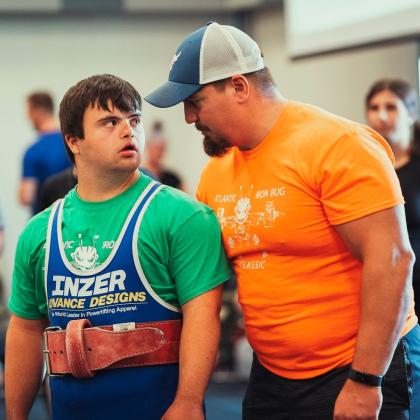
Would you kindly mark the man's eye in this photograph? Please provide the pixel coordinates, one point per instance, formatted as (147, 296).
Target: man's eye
(110, 123)
(194, 102)
(135, 121)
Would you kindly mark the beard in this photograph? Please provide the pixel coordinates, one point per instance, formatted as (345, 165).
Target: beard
(213, 146)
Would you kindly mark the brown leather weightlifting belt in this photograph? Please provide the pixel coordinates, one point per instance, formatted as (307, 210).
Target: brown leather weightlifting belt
(81, 349)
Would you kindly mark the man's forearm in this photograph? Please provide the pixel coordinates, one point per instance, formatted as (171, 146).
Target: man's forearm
(24, 365)
(199, 345)
(27, 190)
(385, 298)
(380, 242)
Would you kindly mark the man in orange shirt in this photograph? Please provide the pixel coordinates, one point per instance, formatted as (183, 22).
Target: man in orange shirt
(313, 222)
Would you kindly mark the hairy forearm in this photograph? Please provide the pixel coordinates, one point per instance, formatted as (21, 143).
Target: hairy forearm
(24, 365)
(385, 299)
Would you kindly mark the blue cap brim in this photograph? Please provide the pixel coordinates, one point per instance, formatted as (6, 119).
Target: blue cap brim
(171, 93)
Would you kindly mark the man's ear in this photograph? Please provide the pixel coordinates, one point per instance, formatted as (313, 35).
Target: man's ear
(241, 87)
(73, 143)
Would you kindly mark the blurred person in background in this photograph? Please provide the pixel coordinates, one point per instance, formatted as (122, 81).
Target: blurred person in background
(57, 186)
(47, 155)
(156, 147)
(392, 110)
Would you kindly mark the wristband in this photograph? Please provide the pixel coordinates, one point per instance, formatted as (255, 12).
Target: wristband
(366, 378)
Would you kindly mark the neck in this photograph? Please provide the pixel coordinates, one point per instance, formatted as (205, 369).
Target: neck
(265, 114)
(47, 125)
(97, 187)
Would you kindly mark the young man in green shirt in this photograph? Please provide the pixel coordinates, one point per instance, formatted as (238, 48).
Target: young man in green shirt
(122, 253)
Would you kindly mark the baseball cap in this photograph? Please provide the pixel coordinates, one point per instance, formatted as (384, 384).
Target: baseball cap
(213, 52)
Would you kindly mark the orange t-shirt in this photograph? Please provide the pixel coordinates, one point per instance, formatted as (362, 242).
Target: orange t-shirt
(298, 284)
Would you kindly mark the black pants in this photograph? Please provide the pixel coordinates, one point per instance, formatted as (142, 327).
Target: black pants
(272, 397)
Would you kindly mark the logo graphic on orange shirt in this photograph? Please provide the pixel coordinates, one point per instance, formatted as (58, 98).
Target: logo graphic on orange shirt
(243, 218)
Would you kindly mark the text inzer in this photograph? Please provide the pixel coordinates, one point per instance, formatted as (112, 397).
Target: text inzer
(89, 286)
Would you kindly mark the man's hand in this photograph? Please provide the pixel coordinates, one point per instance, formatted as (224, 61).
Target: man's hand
(184, 408)
(197, 354)
(358, 402)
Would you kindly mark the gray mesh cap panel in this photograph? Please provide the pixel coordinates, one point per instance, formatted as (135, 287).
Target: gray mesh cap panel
(226, 51)
(212, 52)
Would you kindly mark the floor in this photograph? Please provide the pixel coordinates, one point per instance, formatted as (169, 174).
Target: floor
(224, 401)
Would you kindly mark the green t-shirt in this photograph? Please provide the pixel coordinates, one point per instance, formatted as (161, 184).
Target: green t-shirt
(179, 244)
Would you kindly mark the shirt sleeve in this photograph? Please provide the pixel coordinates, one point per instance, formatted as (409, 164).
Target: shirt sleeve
(198, 261)
(199, 195)
(357, 178)
(23, 300)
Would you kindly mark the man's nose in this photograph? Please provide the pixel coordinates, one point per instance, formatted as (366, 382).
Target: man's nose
(127, 129)
(189, 114)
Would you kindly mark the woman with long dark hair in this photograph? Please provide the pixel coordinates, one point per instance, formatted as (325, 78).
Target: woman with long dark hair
(392, 110)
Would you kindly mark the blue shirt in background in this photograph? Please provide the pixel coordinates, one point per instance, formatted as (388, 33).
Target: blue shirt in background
(47, 156)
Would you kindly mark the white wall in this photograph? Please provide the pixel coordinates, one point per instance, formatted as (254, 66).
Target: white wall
(337, 81)
(325, 25)
(55, 53)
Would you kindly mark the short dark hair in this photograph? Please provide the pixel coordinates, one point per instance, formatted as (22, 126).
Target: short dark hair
(262, 79)
(100, 91)
(41, 100)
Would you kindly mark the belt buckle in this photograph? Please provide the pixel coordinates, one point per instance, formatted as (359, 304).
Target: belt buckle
(47, 353)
